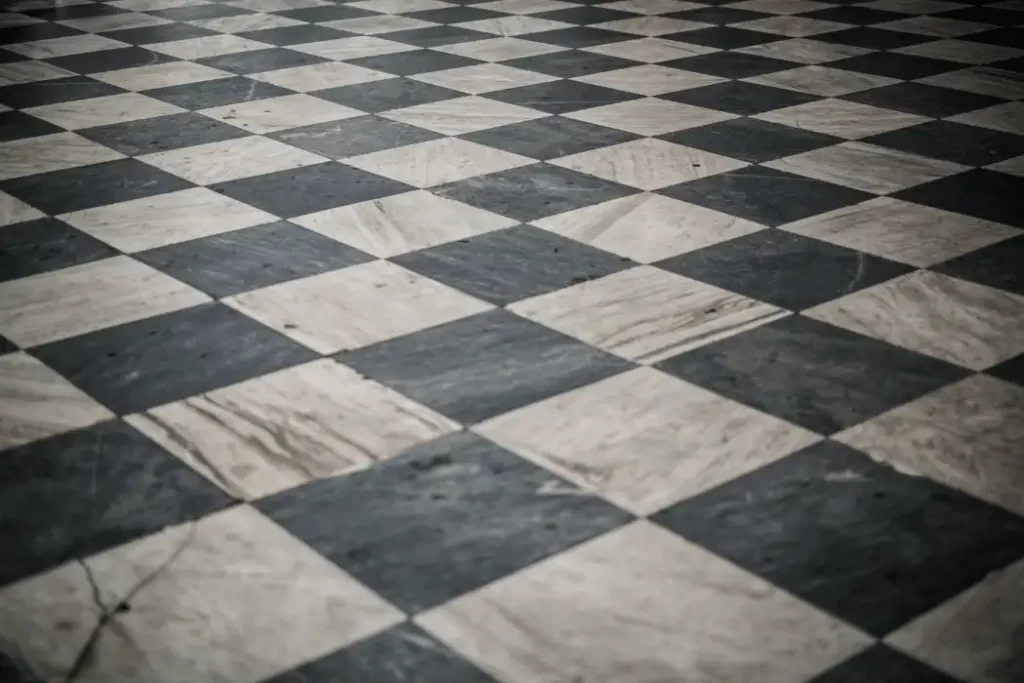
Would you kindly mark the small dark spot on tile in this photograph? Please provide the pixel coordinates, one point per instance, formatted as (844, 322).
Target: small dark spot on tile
(432, 463)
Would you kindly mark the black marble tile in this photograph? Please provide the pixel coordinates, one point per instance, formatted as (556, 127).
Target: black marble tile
(550, 137)
(516, 263)
(765, 195)
(895, 65)
(852, 14)
(310, 189)
(326, 13)
(296, 35)
(436, 36)
(14, 671)
(87, 187)
(984, 194)
(54, 91)
(16, 125)
(737, 97)
(7, 57)
(161, 133)
(351, 137)
(923, 100)
(90, 490)
(485, 365)
(724, 37)
(969, 145)
(136, 366)
(197, 12)
(813, 374)
(571, 63)
(784, 269)
(410, 64)
(531, 192)
(881, 664)
(751, 140)
(1006, 37)
(871, 545)
(985, 15)
(584, 15)
(998, 265)
(243, 260)
(394, 93)
(403, 654)
(33, 32)
(440, 520)
(718, 15)
(217, 93)
(254, 61)
(578, 37)
(7, 346)
(1016, 64)
(731, 64)
(44, 245)
(161, 33)
(560, 97)
(454, 15)
(873, 38)
(109, 60)
(1011, 370)
(67, 12)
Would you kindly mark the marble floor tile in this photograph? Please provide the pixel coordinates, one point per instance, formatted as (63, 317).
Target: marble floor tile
(512, 627)
(1013, 166)
(319, 76)
(209, 46)
(867, 167)
(217, 162)
(514, 25)
(402, 223)
(804, 51)
(650, 50)
(48, 153)
(850, 120)
(975, 636)
(353, 48)
(280, 113)
(693, 440)
(483, 78)
(821, 80)
(646, 314)
(650, 79)
(291, 427)
(652, 26)
(982, 81)
(463, 115)
(13, 210)
(165, 75)
(964, 51)
(101, 111)
(647, 227)
(437, 162)
(188, 576)
(910, 233)
(1008, 118)
(948, 318)
(792, 26)
(650, 116)
(498, 49)
(378, 24)
(649, 164)
(938, 27)
(165, 219)
(36, 402)
(30, 71)
(309, 310)
(66, 46)
(966, 435)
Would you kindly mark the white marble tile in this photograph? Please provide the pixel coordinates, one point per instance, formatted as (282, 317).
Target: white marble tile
(207, 46)
(1008, 118)
(353, 307)
(964, 51)
(356, 47)
(915, 6)
(114, 22)
(650, 116)
(217, 162)
(650, 79)
(646, 314)
(160, 75)
(378, 24)
(966, 435)
(652, 25)
(649, 164)
(650, 50)
(901, 231)
(13, 210)
(278, 113)
(651, 6)
(400, 6)
(436, 162)
(794, 27)
(463, 115)
(514, 25)
(71, 301)
(154, 5)
(403, 223)
(152, 222)
(841, 118)
(938, 27)
(780, 6)
(821, 80)
(647, 227)
(276, 5)
(1013, 166)
(976, 635)
(981, 80)
(240, 23)
(36, 402)
(30, 71)
(747, 630)
(199, 596)
(804, 51)
(499, 49)
(958, 321)
(63, 47)
(320, 76)
(691, 439)
(867, 167)
(11, 18)
(51, 153)
(525, 6)
(290, 427)
(483, 78)
(103, 111)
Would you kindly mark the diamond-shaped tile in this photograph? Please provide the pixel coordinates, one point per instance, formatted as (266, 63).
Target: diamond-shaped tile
(562, 96)
(279, 113)
(737, 97)
(484, 78)
(751, 140)
(895, 65)
(842, 118)
(463, 115)
(650, 116)
(216, 162)
(730, 64)
(570, 63)
(1008, 118)
(803, 51)
(498, 49)
(381, 96)
(550, 137)
(881, 663)
(319, 76)
(39, 246)
(981, 193)
(924, 100)
(100, 111)
(954, 142)
(823, 81)
(965, 51)
(650, 50)
(216, 93)
(162, 133)
(983, 80)
(650, 79)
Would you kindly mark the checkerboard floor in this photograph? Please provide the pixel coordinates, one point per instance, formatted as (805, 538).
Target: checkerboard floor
(512, 341)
